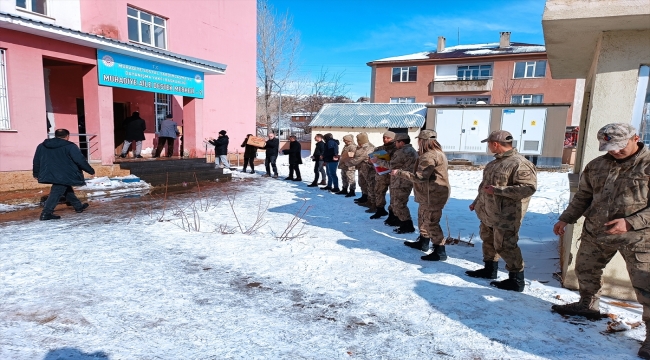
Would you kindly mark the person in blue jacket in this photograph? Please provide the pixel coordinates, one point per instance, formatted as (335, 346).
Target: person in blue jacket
(331, 159)
(59, 162)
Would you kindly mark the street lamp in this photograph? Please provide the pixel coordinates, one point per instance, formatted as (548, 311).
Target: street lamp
(279, 105)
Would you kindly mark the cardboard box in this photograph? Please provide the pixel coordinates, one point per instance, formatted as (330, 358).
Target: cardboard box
(256, 141)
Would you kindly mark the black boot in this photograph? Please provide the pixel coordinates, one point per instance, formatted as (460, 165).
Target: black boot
(351, 192)
(392, 220)
(45, 216)
(422, 243)
(488, 272)
(380, 212)
(514, 282)
(438, 254)
(344, 191)
(405, 227)
(362, 199)
(335, 190)
(371, 207)
(326, 188)
(313, 184)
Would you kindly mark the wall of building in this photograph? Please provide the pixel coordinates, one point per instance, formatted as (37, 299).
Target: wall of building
(219, 30)
(63, 13)
(384, 88)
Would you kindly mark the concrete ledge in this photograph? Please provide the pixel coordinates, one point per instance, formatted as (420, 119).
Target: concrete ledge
(23, 180)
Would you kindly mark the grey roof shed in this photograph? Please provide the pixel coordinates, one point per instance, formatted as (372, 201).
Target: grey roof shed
(371, 115)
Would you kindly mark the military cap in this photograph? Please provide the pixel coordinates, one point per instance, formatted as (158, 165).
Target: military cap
(499, 136)
(427, 134)
(615, 136)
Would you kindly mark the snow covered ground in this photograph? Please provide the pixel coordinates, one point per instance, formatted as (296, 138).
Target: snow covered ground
(178, 278)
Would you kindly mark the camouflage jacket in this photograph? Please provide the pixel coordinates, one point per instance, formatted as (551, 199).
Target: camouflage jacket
(344, 160)
(430, 179)
(515, 180)
(609, 190)
(390, 149)
(403, 158)
(360, 159)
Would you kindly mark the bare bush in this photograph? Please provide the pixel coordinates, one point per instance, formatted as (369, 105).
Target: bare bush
(289, 233)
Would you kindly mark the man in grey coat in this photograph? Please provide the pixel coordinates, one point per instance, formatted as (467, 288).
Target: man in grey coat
(168, 133)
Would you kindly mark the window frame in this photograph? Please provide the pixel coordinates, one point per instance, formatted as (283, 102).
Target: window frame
(530, 99)
(404, 72)
(28, 7)
(4, 93)
(532, 65)
(152, 25)
(469, 69)
(475, 99)
(399, 100)
(167, 104)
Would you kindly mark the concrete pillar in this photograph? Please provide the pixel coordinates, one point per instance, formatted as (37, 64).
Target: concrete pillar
(193, 127)
(98, 107)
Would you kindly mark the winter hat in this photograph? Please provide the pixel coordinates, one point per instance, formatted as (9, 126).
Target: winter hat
(348, 137)
(389, 134)
(362, 138)
(402, 136)
(170, 116)
(328, 136)
(222, 132)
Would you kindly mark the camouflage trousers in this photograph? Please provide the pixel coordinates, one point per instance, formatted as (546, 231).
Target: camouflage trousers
(502, 243)
(399, 198)
(592, 259)
(429, 223)
(370, 184)
(382, 182)
(347, 177)
(363, 184)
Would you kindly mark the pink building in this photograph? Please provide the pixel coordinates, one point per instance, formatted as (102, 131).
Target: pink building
(85, 65)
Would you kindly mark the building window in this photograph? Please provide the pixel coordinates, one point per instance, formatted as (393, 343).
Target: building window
(4, 98)
(163, 105)
(37, 6)
(405, 74)
(527, 99)
(474, 72)
(530, 69)
(146, 28)
(471, 100)
(402, 100)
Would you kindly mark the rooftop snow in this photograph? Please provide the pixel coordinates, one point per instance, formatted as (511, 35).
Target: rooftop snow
(370, 115)
(460, 51)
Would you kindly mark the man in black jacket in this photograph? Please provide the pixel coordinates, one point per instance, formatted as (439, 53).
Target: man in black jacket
(134, 127)
(317, 157)
(295, 158)
(272, 147)
(250, 152)
(221, 150)
(59, 162)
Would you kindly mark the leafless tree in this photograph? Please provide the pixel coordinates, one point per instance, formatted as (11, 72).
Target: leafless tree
(277, 49)
(509, 87)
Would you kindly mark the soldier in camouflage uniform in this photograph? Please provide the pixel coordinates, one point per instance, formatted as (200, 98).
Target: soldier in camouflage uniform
(347, 169)
(613, 198)
(431, 185)
(360, 162)
(503, 196)
(404, 158)
(382, 182)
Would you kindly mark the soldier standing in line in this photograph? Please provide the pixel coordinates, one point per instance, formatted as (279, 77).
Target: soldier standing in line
(431, 184)
(503, 196)
(403, 158)
(347, 170)
(613, 198)
(360, 162)
(382, 182)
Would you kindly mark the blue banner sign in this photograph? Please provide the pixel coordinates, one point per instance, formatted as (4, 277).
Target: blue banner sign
(132, 73)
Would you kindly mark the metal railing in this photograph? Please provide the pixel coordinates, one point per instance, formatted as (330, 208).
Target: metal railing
(88, 143)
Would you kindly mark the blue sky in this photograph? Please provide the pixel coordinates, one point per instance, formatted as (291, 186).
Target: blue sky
(342, 36)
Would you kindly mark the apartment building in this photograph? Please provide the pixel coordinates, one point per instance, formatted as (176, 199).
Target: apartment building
(85, 65)
(502, 72)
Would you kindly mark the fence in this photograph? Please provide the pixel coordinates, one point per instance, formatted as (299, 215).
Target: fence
(88, 143)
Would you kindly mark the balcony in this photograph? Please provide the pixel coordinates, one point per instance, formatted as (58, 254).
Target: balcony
(449, 86)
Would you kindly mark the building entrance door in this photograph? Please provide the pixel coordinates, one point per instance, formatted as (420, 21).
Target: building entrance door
(120, 112)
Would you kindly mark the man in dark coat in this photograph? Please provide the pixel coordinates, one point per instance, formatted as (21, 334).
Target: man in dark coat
(134, 127)
(59, 162)
(250, 152)
(331, 159)
(317, 157)
(221, 150)
(272, 147)
(295, 158)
